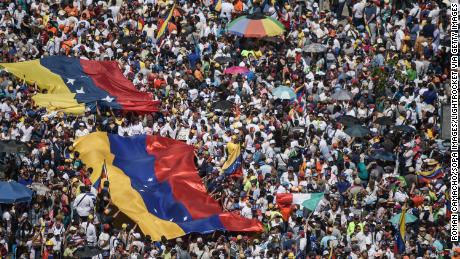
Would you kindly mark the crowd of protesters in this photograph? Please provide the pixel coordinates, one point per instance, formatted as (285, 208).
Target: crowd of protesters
(392, 56)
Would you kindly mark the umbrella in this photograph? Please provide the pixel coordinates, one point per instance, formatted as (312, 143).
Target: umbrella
(39, 188)
(385, 120)
(87, 251)
(12, 147)
(342, 95)
(14, 192)
(223, 60)
(404, 128)
(273, 39)
(255, 26)
(236, 70)
(223, 105)
(284, 93)
(348, 120)
(357, 131)
(396, 219)
(383, 155)
(315, 48)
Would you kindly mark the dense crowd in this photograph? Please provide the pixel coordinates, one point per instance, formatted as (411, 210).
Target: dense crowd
(392, 56)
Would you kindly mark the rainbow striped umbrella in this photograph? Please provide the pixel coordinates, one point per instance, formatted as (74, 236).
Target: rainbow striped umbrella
(255, 26)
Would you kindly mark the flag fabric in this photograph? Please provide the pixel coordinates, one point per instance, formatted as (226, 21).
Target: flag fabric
(99, 184)
(307, 200)
(218, 6)
(299, 91)
(72, 85)
(154, 181)
(165, 23)
(331, 252)
(448, 205)
(428, 176)
(233, 165)
(401, 232)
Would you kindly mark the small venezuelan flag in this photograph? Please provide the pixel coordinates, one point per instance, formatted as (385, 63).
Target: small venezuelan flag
(299, 91)
(165, 23)
(99, 184)
(401, 235)
(428, 176)
(233, 165)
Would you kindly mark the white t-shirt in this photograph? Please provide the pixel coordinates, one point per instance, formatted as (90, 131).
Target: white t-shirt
(358, 9)
(227, 10)
(26, 133)
(84, 204)
(90, 230)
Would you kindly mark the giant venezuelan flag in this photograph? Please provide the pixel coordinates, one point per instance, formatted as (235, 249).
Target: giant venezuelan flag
(71, 84)
(153, 180)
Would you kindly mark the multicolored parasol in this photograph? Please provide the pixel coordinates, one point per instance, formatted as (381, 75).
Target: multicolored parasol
(255, 26)
(236, 70)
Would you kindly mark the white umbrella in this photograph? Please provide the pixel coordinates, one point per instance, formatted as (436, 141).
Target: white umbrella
(342, 95)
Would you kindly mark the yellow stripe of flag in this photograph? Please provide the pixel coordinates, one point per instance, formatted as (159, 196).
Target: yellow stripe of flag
(218, 6)
(402, 224)
(164, 26)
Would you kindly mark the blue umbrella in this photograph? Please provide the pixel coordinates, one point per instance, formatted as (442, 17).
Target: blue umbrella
(284, 93)
(357, 131)
(14, 192)
(383, 155)
(409, 218)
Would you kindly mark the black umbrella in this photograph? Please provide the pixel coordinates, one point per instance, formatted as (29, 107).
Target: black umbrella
(342, 95)
(12, 147)
(87, 251)
(223, 60)
(272, 39)
(357, 131)
(223, 105)
(315, 48)
(385, 120)
(348, 120)
(404, 128)
(383, 155)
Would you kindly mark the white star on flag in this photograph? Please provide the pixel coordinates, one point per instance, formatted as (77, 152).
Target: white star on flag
(70, 81)
(108, 99)
(80, 91)
(150, 179)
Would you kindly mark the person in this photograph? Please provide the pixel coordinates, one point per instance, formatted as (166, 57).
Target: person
(83, 204)
(104, 241)
(89, 230)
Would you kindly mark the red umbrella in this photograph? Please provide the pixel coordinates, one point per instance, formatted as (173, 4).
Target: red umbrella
(236, 70)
